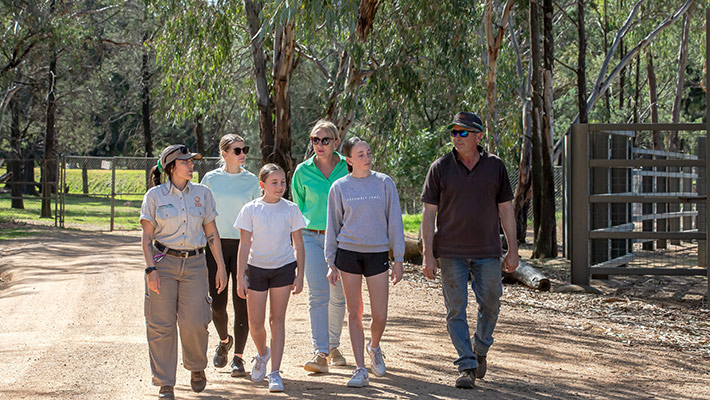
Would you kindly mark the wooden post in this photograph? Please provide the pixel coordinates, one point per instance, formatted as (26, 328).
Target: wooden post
(113, 189)
(579, 206)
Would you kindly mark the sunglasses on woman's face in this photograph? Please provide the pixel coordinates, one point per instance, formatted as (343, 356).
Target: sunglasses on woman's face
(324, 141)
(239, 150)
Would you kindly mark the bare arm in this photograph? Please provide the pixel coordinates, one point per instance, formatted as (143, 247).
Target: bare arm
(428, 219)
(216, 248)
(147, 236)
(507, 220)
(242, 258)
(297, 238)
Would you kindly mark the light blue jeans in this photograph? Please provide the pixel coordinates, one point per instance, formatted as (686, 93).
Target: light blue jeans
(326, 303)
(486, 284)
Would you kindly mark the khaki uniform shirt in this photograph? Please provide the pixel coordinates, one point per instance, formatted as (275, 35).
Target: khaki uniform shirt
(178, 215)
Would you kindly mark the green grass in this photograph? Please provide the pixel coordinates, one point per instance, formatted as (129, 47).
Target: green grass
(16, 232)
(80, 212)
(411, 223)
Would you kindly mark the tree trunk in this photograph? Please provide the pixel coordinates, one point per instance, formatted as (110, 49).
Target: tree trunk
(546, 240)
(49, 162)
(523, 190)
(15, 164)
(536, 81)
(494, 41)
(284, 46)
(581, 64)
(263, 99)
(672, 140)
(637, 92)
(349, 78)
(145, 97)
(653, 97)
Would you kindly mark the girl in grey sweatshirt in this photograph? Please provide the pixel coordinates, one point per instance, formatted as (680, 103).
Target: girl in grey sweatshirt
(364, 222)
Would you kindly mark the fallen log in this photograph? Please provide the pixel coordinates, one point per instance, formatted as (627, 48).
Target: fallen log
(528, 276)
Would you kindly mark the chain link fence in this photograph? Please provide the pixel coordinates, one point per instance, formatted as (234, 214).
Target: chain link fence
(105, 193)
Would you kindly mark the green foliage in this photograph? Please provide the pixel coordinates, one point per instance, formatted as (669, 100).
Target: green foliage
(411, 223)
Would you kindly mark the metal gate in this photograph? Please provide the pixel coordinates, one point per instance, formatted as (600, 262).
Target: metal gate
(636, 210)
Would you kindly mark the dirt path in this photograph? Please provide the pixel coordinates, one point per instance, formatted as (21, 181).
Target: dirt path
(71, 327)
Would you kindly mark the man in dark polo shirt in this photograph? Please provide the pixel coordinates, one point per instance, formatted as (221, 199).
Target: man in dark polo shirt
(467, 192)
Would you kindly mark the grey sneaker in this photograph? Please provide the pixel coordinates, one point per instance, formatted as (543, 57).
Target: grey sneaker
(319, 364)
(377, 360)
(258, 372)
(466, 379)
(336, 357)
(275, 382)
(359, 378)
(221, 352)
(482, 366)
(166, 392)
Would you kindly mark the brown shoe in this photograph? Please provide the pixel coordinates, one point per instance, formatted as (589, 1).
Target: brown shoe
(319, 364)
(198, 381)
(166, 392)
(482, 366)
(336, 357)
(466, 379)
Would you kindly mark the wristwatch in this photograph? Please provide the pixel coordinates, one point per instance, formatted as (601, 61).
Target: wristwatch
(148, 270)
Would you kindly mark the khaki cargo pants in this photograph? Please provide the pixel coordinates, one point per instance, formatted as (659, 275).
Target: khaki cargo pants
(183, 301)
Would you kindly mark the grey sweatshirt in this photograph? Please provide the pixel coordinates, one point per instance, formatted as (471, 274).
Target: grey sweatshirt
(364, 216)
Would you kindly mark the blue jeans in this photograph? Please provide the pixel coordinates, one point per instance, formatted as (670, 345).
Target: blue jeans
(486, 284)
(326, 303)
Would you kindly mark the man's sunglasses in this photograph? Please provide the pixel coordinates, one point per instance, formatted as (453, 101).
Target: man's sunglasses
(239, 150)
(324, 141)
(460, 133)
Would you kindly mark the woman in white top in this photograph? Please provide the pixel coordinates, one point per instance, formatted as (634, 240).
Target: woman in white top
(232, 187)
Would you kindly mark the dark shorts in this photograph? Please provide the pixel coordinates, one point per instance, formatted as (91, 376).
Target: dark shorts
(261, 279)
(367, 264)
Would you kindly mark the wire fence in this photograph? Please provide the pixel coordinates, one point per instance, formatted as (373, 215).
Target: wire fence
(105, 193)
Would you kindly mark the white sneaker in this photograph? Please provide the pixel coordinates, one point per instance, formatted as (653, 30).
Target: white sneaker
(359, 379)
(377, 360)
(275, 382)
(258, 371)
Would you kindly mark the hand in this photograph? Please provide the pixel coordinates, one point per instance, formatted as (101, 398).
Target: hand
(297, 286)
(397, 272)
(154, 281)
(333, 275)
(242, 287)
(429, 267)
(220, 280)
(510, 262)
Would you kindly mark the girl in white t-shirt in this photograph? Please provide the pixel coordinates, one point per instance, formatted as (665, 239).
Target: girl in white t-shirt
(266, 266)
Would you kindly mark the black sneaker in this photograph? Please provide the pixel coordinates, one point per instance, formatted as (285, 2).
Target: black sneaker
(220, 353)
(466, 379)
(238, 367)
(482, 366)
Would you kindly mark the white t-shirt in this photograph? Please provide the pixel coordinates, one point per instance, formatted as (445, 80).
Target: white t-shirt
(271, 225)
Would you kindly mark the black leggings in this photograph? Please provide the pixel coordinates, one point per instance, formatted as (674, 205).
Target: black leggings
(219, 301)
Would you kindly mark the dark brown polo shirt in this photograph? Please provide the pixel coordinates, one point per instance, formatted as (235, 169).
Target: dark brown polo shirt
(467, 222)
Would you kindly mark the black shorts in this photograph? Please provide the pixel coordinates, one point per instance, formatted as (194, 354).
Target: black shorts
(367, 264)
(261, 279)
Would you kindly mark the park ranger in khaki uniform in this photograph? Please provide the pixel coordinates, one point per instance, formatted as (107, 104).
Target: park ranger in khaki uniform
(178, 220)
